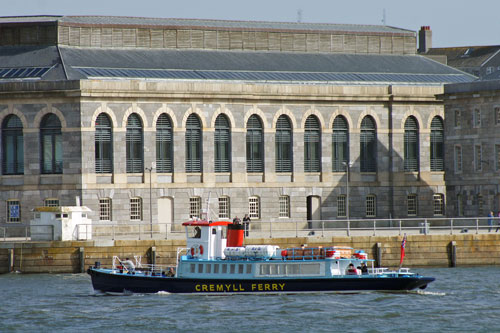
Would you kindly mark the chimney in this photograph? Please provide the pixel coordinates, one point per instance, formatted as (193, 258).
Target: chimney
(424, 39)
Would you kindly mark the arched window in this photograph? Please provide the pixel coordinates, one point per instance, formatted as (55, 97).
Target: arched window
(283, 145)
(135, 146)
(368, 145)
(411, 162)
(222, 141)
(312, 145)
(103, 144)
(340, 144)
(255, 147)
(51, 141)
(164, 144)
(437, 144)
(12, 146)
(193, 144)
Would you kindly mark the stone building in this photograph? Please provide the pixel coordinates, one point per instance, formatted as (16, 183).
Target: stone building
(472, 122)
(145, 119)
(482, 61)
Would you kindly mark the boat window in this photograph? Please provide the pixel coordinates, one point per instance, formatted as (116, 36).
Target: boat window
(249, 268)
(232, 268)
(200, 268)
(264, 269)
(292, 269)
(216, 268)
(224, 268)
(214, 231)
(240, 268)
(209, 268)
(192, 268)
(309, 269)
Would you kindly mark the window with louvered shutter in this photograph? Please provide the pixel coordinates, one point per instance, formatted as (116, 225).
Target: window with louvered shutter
(193, 144)
(368, 145)
(135, 146)
(283, 145)
(222, 142)
(437, 144)
(12, 146)
(164, 144)
(51, 144)
(312, 146)
(255, 148)
(411, 162)
(103, 144)
(340, 144)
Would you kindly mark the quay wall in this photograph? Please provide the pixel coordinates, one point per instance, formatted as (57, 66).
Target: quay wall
(421, 251)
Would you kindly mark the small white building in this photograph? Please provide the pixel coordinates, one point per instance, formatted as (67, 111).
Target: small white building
(61, 223)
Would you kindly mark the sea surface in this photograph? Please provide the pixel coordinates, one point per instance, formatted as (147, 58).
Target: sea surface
(460, 300)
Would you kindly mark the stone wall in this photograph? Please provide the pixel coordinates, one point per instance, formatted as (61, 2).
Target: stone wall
(421, 251)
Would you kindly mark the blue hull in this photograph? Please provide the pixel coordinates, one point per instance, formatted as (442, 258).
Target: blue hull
(106, 281)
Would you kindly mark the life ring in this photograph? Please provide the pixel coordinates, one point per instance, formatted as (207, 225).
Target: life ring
(197, 250)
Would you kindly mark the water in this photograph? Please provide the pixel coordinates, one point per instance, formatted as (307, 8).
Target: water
(461, 299)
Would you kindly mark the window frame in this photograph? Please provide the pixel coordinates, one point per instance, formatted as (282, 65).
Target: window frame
(412, 204)
(105, 209)
(458, 158)
(371, 205)
(368, 145)
(254, 207)
(312, 144)
(411, 145)
(437, 144)
(222, 145)
(284, 206)
(136, 209)
(12, 203)
(342, 205)
(164, 144)
(438, 204)
(12, 146)
(51, 202)
(103, 143)
(134, 138)
(224, 207)
(284, 145)
(51, 156)
(195, 207)
(340, 144)
(254, 145)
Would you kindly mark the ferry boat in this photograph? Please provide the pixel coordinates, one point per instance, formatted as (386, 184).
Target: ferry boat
(216, 262)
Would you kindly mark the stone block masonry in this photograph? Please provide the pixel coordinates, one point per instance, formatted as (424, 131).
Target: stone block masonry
(421, 251)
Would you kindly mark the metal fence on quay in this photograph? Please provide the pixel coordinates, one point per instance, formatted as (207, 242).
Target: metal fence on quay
(266, 229)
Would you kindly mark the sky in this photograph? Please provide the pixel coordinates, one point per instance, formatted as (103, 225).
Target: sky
(453, 22)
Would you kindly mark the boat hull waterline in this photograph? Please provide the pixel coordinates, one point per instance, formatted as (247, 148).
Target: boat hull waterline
(107, 281)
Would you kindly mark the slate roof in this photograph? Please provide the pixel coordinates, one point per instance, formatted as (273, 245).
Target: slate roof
(466, 56)
(72, 63)
(212, 24)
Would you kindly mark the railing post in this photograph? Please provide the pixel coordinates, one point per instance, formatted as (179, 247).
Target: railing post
(113, 231)
(425, 226)
(348, 228)
(140, 230)
(322, 228)
(26, 233)
(477, 226)
(374, 227)
(451, 227)
(271, 229)
(399, 227)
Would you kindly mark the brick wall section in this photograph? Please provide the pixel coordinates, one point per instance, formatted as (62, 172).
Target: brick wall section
(421, 251)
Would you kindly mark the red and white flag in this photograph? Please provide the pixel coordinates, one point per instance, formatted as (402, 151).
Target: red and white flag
(403, 245)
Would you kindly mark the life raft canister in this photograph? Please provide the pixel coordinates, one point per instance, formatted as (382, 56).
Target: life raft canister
(196, 250)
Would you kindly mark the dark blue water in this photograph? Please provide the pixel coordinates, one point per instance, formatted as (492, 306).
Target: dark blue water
(460, 300)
